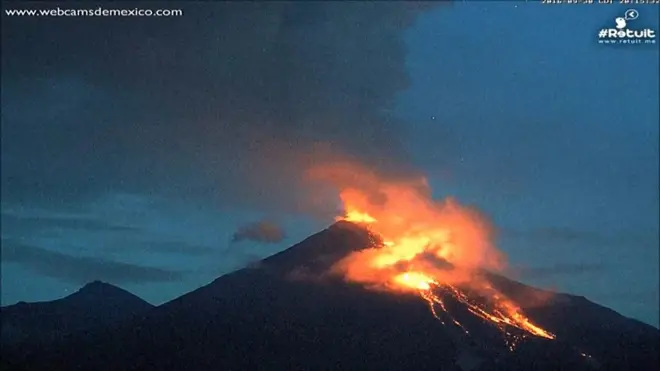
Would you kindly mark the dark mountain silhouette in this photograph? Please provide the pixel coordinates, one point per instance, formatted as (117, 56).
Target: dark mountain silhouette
(285, 314)
(95, 305)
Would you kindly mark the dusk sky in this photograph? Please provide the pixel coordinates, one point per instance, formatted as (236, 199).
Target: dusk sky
(160, 153)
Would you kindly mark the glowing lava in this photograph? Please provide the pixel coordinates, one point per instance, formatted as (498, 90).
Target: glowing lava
(436, 249)
(357, 217)
(503, 313)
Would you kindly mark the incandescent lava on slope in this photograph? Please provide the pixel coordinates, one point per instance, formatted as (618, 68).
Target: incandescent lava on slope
(435, 249)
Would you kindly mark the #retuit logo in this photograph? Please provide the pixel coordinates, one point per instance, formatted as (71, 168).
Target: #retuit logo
(623, 33)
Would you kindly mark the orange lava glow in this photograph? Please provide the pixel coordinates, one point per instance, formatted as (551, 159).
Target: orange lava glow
(356, 217)
(432, 248)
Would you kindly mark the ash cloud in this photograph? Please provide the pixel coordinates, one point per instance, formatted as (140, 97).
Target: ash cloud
(261, 232)
(202, 107)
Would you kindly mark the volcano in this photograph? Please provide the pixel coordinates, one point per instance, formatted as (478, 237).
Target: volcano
(289, 313)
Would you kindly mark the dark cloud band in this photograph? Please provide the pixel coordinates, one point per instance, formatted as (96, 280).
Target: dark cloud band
(229, 107)
(80, 270)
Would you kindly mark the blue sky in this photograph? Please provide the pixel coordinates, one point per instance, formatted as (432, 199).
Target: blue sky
(115, 171)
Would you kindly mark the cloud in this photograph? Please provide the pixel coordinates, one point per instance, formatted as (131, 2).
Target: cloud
(636, 294)
(14, 222)
(228, 108)
(587, 239)
(81, 270)
(559, 269)
(262, 232)
(558, 235)
(165, 247)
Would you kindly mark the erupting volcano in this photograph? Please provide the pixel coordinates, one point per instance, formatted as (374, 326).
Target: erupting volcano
(436, 249)
(348, 297)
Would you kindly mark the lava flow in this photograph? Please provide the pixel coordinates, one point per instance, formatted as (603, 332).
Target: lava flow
(436, 249)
